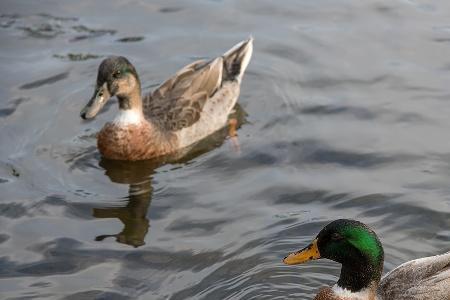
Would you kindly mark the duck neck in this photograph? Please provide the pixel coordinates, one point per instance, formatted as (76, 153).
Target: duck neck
(360, 275)
(130, 108)
(131, 101)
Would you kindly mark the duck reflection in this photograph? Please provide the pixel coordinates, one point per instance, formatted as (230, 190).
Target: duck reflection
(138, 175)
(134, 215)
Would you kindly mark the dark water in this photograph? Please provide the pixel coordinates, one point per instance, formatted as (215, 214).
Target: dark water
(348, 107)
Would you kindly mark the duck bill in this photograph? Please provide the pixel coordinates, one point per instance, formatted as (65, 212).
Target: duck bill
(308, 253)
(98, 100)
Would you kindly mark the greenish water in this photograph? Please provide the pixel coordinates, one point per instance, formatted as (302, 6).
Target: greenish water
(344, 112)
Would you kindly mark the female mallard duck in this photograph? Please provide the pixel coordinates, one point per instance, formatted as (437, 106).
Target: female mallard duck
(358, 249)
(189, 106)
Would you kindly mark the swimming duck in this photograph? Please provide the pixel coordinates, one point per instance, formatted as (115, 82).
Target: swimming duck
(186, 108)
(358, 249)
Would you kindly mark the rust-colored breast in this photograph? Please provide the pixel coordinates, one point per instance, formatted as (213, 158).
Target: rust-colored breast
(134, 142)
(326, 293)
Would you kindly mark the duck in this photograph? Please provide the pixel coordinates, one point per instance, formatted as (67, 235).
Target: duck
(186, 108)
(357, 247)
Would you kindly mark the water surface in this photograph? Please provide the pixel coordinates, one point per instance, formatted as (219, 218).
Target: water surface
(344, 112)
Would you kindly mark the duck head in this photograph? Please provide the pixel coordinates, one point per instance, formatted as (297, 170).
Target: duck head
(350, 243)
(116, 77)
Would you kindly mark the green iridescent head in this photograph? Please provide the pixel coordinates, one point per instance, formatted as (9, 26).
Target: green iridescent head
(351, 243)
(346, 240)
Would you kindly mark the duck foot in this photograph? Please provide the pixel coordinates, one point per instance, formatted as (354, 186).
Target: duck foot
(232, 133)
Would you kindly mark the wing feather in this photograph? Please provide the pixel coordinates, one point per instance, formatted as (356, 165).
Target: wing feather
(423, 278)
(179, 101)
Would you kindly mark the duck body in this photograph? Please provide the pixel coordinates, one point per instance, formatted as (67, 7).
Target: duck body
(123, 140)
(186, 108)
(426, 278)
(358, 249)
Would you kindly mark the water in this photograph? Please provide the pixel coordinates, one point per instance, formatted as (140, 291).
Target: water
(344, 112)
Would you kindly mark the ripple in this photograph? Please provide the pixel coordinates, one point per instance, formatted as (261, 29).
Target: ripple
(49, 27)
(328, 82)
(45, 81)
(96, 295)
(12, 210)
(13, 105)
(131, 39)
(7, 20)
(166, 10)
(358, 112)
(308, 152)
(197, 227)
(43, 30)
(77, 56)
(89, 33)
(4, 237)
(224, 277)
(57, 18)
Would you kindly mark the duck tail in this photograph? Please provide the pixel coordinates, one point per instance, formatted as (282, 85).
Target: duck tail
(236, 60)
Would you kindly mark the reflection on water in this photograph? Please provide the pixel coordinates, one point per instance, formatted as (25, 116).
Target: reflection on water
(138, 175)
(348, 105)
(134, 214)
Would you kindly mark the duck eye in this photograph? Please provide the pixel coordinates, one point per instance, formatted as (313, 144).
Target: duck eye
(100, 93)
(336, 237)
(116, 74)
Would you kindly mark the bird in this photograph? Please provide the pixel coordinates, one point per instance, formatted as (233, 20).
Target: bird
(357, 248)
(187, 107)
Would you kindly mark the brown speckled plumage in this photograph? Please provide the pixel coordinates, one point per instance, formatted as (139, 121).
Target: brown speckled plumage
(326, 294)
(425, 278)
(186, 108)
(132, 142)
(179, 101)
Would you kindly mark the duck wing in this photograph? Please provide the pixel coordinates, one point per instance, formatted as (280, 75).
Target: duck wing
(178, 102)
(425, 278)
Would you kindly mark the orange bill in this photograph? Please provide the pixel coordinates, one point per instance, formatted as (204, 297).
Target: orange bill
(308, 253)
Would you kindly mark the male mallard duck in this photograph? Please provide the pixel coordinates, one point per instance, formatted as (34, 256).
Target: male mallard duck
(358, 249)
(186, 108)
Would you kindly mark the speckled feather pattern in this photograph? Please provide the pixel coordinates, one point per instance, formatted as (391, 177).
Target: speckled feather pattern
(425, 278)
(326, 293)
(186, 108)
(213, 117)
(134, 141)
(179, 101)
(338, 293)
